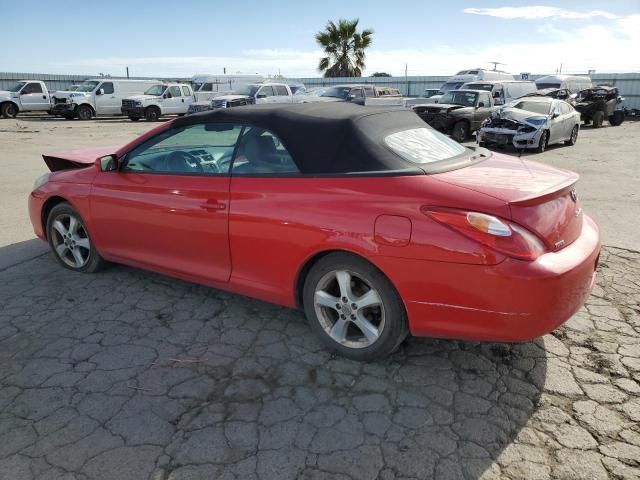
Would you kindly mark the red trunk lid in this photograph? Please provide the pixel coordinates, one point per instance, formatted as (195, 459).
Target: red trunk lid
(541, 198)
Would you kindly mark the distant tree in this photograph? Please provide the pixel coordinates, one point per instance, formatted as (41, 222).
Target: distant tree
(344, 47)
(380, 74)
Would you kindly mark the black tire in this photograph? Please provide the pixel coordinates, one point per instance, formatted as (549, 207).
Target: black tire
(68, 117)
(389, 313)
(598, 119)
(617, 118)
(543, 142)
(134, 119)
(574, 136)
(460, 131)
(85, 112)
(9, 110)
(63, 247)
(152, 114)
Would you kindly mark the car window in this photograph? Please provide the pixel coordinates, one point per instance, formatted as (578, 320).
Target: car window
(485, 98)
(356, 92)
(267, 91)
(207, 87)
(202, 149)
(423, 145)
(175, 91)
(282, 90)
(107, 87)
(368, 92)
(186, 91)
(260, 152)
(32, 88)
(536, 107)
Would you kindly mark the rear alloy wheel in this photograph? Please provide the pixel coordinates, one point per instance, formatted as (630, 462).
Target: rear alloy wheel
(598, 119)
(9, 110)
(354, 307)
(544, 140)
(69, 239)
(617, 118)
(460, 131)
(152, 114)
(574, 136)
(85, 112)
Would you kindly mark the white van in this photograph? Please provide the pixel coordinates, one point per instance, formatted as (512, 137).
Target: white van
(97, 96)
(464, 76)
(208, 86)
(503, 91)
(573, 83)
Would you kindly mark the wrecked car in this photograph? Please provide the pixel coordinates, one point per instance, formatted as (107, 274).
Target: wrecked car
(459, 113)
(597, 103)
(531, 123)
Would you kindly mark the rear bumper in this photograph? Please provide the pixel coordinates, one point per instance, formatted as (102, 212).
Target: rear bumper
(513, 301)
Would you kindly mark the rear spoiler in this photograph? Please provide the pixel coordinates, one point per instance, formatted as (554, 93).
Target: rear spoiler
(550, 193)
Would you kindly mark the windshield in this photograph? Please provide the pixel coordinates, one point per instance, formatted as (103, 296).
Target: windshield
(479, 86)
(423, 145)
(542, 86)
(249, 90)
(87, 86)
(451, 86)
(538, 107)
(468, 99)
(16, 86)
(156, 90)
(336, 92)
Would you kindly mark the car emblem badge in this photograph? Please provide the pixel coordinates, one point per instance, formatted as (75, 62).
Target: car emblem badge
(559, 244)
(574, 195)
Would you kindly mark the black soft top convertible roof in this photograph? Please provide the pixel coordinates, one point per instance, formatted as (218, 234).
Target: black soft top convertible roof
(326, 138)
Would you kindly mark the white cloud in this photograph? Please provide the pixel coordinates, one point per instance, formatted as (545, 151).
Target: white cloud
(536, 12)
(603, 47)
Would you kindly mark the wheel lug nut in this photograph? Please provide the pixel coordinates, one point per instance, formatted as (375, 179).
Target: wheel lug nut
(342, 317)
(338, 306)
(353, 317)
(344, 299)
(354, 306)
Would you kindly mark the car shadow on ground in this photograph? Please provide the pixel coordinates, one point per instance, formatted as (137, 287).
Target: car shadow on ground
(124, 374)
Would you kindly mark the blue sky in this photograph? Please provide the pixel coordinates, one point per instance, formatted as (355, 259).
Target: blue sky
(182, 38)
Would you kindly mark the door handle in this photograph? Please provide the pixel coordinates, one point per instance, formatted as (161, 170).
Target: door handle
(213, 206)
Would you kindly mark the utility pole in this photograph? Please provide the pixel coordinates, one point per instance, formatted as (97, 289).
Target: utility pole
(406, 79)
(224, 70)
(127, 72)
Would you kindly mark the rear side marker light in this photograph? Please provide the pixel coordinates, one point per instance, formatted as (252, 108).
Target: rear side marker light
(496, 233)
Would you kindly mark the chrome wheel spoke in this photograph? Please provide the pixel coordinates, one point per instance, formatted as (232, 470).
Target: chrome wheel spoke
(61, 250)
(339, 330)
(326, 300)
(77, 256)
(60, 228)
(344, 282)
(369, 299)
(73, 225)
(366, 327)
(83, 242)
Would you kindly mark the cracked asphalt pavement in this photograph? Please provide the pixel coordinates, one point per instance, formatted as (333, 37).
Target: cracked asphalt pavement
(130, 375)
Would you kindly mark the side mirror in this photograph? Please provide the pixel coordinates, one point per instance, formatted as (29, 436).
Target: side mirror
(481, 104)
(350, 97)
(100, 91)
(555, 115)
(108, 163)
(496, 94)
(261, 95)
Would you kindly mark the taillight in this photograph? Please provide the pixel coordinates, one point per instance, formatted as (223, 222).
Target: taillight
(496, 233)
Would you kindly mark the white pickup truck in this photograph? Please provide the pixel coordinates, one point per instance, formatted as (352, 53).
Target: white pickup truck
(159, 100)
(25, 96)
(254, 93)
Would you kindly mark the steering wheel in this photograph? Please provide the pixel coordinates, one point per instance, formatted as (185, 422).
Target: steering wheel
(186, 158)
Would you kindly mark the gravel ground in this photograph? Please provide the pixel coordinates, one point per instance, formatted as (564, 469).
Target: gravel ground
(130, 375)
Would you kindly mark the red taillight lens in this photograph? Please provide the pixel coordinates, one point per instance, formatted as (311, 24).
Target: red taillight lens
(496, 233)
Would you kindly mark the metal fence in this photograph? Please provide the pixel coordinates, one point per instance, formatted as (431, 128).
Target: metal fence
(627, 83)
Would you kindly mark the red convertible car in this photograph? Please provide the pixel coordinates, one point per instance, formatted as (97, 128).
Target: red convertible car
(374, 223)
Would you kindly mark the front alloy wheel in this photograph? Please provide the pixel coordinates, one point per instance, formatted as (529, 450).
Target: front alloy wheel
(70, 241)
(354, 307)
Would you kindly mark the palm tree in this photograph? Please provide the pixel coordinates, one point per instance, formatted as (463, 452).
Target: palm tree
(344, 48)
